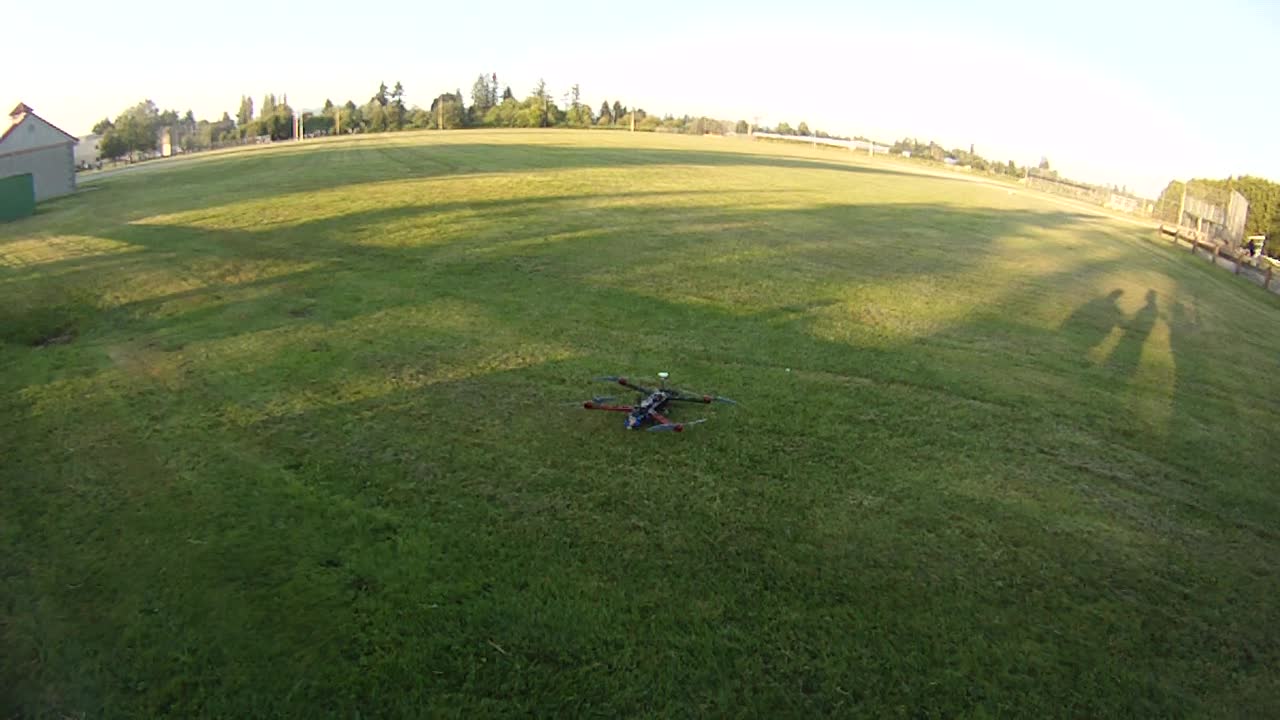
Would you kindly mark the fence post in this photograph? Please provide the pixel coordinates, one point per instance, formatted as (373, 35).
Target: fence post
(1267, 283)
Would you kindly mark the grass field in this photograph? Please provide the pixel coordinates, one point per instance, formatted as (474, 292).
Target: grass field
(289, 432)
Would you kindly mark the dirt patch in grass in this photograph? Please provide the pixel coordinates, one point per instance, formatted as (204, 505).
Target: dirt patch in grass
(61, 336)
(42, 326)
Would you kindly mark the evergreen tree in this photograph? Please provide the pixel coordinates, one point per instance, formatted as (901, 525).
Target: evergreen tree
(245, 115)
(481, 96)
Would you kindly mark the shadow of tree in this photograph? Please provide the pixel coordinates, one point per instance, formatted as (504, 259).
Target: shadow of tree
(568, 242)
(353, 164)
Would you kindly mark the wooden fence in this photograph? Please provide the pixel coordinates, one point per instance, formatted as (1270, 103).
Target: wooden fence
(1261, 270)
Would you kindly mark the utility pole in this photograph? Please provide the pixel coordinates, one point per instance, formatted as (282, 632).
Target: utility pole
(633, 119)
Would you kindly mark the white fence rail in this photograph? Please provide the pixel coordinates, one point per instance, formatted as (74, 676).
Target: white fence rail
(871, 148)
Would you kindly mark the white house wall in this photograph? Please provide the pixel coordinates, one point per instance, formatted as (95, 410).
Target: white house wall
(32, 132)
(52, 168)
(87, 149)
(34, 146)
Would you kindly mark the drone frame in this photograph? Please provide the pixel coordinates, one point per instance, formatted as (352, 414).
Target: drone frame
(652, 404)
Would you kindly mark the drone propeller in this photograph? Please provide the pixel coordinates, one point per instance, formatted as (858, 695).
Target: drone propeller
(613, 379)
(698, 397)
(625, 383)
(597, 400)
(675, 427)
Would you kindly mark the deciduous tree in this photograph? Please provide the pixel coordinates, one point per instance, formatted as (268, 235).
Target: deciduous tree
(377, 117)
(112, 145)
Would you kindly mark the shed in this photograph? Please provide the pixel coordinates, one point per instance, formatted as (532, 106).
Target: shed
(36, 146)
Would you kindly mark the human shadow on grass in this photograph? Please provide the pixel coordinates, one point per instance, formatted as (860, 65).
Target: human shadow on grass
(1093, 321)
(1090, 325)
(1128, 353)
(1183, 460)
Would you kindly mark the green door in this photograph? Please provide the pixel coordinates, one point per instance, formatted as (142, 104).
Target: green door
(17, 197)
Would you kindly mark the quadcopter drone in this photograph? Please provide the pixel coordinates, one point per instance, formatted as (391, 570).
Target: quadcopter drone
(652, 404)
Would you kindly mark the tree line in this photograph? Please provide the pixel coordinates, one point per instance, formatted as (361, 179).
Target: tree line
(959, 156)
(137, 130)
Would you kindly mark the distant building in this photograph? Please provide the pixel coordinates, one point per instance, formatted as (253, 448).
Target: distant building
(87, 150)
(36, 146)
(1124, 203)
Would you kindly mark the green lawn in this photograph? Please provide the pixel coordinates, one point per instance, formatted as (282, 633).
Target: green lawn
(289, 432)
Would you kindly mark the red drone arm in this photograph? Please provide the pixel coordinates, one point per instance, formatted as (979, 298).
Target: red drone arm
(664, 420)
(705, 399)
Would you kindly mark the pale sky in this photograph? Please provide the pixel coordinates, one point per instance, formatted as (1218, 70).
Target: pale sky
(1131, 93)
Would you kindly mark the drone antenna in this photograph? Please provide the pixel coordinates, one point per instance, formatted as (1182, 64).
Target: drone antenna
(663, 376)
